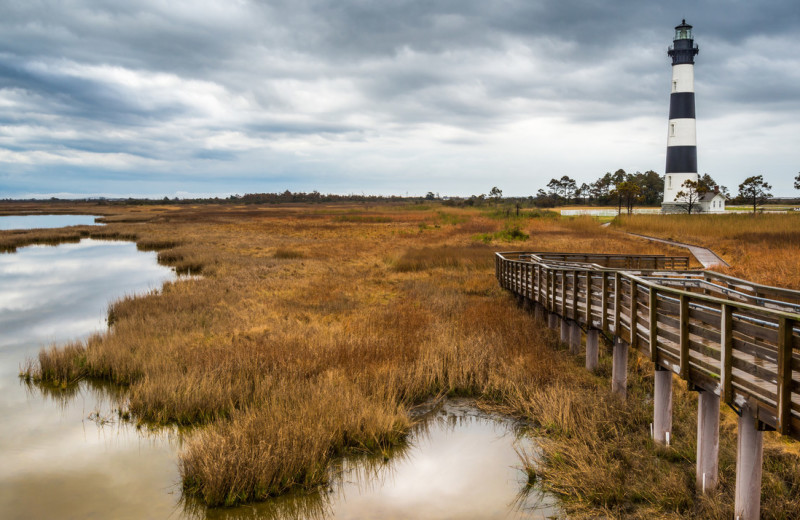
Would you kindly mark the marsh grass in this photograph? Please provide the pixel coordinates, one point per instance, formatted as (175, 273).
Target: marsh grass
(364, 219)
(470, 257)
(58, 366)
(284, 253)
(763, 248)
(282, 366)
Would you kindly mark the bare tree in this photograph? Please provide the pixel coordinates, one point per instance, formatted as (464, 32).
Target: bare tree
(690, 195)
(755, 191)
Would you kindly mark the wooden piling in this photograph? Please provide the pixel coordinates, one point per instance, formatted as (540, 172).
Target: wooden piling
(552, 320)
(662, 405)
(575, 338)
(707, 440)
(592, 349)
(619, 370)
(749, 459)
(539, 312)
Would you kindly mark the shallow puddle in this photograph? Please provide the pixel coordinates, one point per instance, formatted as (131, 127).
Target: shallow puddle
(460, 463)
(45, 221)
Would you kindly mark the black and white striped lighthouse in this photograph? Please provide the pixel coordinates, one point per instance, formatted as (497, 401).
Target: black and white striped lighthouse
(682, 135)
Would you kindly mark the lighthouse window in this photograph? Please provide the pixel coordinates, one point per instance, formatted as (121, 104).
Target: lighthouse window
(672, 129)
(669, 180)
(674, 86)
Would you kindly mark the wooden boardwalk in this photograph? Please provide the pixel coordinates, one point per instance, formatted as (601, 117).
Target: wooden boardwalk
(704, 255)
(732, 340)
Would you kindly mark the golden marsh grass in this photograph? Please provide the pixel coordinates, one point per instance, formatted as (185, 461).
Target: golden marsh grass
(310, 335)
(764, 248)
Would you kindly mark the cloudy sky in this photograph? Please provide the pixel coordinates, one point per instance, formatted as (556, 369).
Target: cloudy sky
(180, 98)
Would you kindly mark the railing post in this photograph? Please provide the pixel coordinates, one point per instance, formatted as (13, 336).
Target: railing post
(784, 391)
(634, 342)
(653, 319)
(604, 303)
(547, 290)
(707, 440)
(662, 404)
(684, 336)
(531, 286)
(539, 283)
(619, 369)
(749, 461)
(575, 295)
(617, 303)
(726, 352)
(588, 300)
(563, 293)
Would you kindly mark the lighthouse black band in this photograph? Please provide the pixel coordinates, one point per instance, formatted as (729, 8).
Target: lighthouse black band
(681, 105)
(681, 159)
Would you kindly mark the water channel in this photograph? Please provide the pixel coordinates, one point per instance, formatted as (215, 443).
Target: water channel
(45, 221)
(68, 456)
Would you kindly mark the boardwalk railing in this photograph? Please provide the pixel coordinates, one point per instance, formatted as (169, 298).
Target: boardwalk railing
(726, 337)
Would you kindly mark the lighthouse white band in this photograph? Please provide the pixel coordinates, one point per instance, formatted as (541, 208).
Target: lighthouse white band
(682, 132)
(673, 183)
(683, 77)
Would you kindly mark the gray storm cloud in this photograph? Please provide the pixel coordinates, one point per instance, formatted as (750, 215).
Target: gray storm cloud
(216, 97)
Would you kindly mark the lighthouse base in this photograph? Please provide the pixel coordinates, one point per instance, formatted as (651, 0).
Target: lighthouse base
(671, 208)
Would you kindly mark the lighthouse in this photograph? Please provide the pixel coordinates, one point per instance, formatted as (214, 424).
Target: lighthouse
(682, 135)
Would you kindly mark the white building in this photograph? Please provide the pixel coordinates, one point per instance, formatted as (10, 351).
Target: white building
(712, 202)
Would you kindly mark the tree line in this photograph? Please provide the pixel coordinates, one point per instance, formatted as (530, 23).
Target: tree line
(625, 190)
(619, 188)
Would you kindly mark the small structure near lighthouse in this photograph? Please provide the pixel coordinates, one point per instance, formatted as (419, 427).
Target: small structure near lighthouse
(682, 133)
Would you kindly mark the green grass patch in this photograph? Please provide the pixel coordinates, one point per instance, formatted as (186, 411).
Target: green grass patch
(510, 233)
(450, 219)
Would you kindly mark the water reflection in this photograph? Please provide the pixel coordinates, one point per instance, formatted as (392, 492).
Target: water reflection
(57, 462)
(67, 454)
(45, 221)
(459, 463)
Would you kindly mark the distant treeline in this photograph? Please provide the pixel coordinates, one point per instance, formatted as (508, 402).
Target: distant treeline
(618, 189)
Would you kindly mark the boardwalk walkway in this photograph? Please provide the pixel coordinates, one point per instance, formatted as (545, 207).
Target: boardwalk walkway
(733, 341)
(705, 256)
